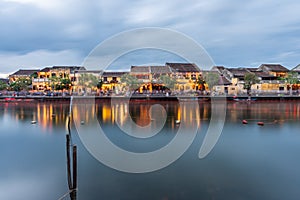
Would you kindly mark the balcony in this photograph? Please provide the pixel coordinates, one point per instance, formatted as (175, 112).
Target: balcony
(40, 80)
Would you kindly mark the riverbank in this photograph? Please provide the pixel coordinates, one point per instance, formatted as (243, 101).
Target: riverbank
(160, 98)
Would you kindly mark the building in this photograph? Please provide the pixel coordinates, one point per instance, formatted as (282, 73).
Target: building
(22, 73)
(274, 69)
(49, 76)
(186, 75)
(111, 81)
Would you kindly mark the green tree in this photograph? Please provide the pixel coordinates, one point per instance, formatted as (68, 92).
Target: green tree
(88, 81)
(3, 85)
(168, 81)
(200, 82)
(99, 84)
(292, 78)
(131, 81)
(54, 82)
(20, 84)
(250, 79)
(211, 79)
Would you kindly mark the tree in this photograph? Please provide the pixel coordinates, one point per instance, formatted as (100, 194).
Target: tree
(168, 81)
(200, 81)
(131, 81)
(3, 85)
(292, 78)
(211, 79)
(250, 79)
(88, 81)
(20, 84)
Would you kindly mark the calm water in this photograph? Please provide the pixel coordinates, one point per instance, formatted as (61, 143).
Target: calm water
(248, 162)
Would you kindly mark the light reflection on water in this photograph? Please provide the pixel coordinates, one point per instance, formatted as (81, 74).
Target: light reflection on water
(248, 162)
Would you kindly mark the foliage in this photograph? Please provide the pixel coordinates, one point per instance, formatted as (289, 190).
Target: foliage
(200, 81)
(168, 81)
(20, 84)
(34, 75)
(250, 79)
(64, 84)
(88, 80)
(99, 84)
(3, 85)
(131, 81)
(58, 83)
(292, 78)
(211, 79)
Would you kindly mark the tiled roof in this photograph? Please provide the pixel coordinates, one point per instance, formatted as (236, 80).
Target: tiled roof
(224, 81)
(273, 68)
(263, 74)
(160, 69)
(296, 69)
(24, 72)
(237, 72)
(88, 71)
(252, 69)
(72, 68)
(46, 69)
(220, 69)
(140, 69)
(114, 74)
(183, 67)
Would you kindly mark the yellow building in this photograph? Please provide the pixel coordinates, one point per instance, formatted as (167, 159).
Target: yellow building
(186, 75)
(22, 73)
(112, 81)
(47, 77)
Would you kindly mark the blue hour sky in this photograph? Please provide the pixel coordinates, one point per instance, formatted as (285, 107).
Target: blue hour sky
(37, 33)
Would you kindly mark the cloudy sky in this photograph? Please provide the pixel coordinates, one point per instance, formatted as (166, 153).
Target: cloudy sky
(37, 33)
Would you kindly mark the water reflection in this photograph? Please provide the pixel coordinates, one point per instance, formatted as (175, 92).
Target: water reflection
(248, 162)
(51, 116)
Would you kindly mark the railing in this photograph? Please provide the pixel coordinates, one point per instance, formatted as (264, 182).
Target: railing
(40, 80)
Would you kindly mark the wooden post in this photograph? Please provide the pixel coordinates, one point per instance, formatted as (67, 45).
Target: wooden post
(74, 167)
(73, 194)
(68, 162)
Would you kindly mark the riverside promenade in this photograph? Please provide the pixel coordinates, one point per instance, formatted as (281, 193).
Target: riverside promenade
(238, 98)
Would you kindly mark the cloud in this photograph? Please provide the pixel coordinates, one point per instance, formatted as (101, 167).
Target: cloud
(233, 32)
(10, 62)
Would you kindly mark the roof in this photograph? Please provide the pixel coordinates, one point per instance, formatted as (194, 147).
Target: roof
(183, 67)
(88, 71)
(140, 69)
(72, 68)
(237, 72)
(25, 72)
(114, 74)
(46, 69)
(252, 69)
(273, 68)
(263, 74)
(296, 69)
(223, 81)
(219, 69)
(160, 69)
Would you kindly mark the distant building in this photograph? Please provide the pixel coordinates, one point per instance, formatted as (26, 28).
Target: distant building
(186, 75)
(112, 81)
(45, 79)
(274, 69)
(22, 73)
(297, 70)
